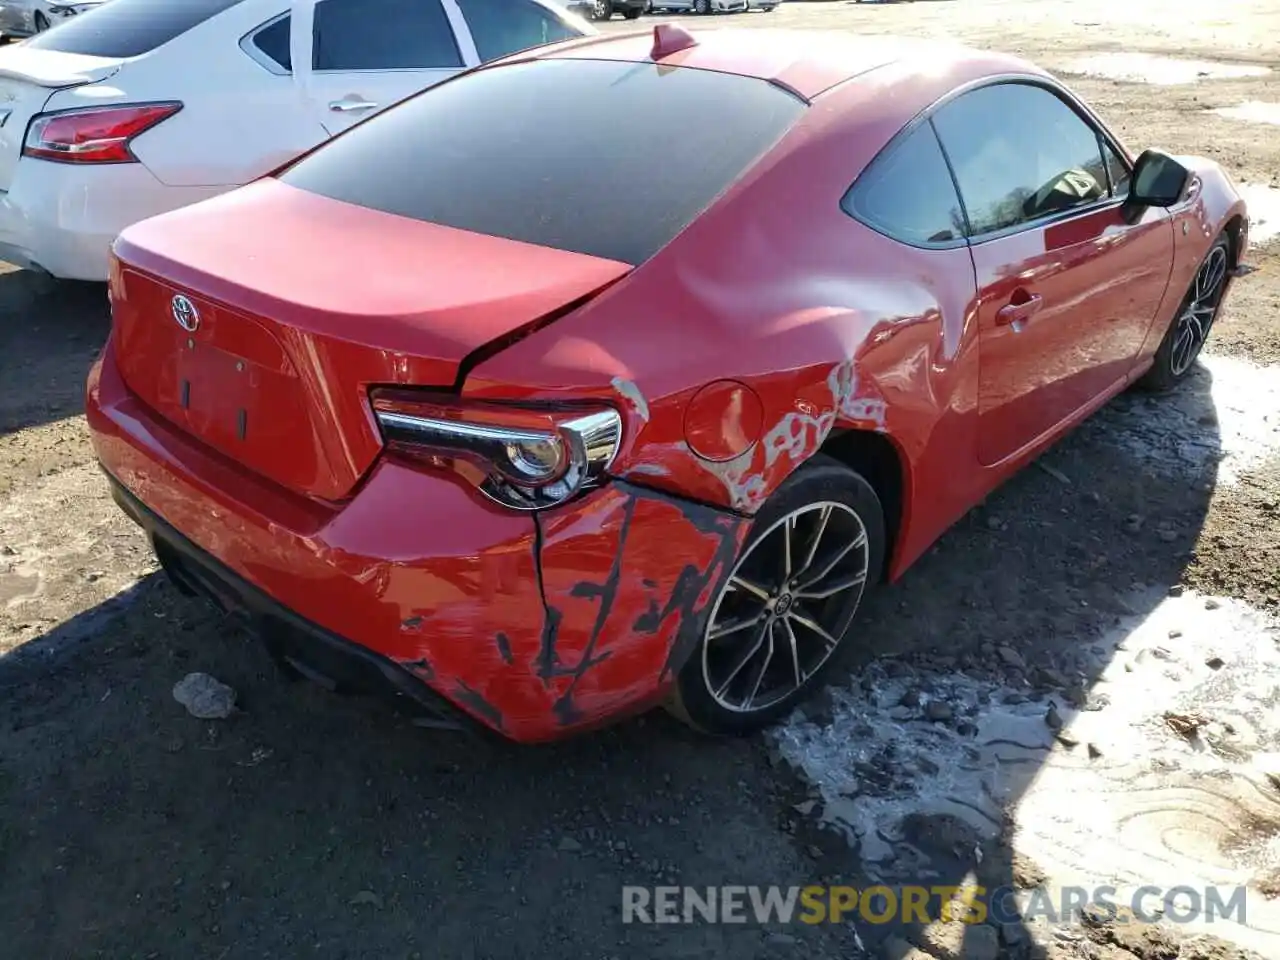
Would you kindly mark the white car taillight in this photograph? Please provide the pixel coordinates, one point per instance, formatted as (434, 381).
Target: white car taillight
(93, 134)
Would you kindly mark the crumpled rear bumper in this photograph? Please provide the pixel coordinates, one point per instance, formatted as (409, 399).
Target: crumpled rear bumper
(533, 626)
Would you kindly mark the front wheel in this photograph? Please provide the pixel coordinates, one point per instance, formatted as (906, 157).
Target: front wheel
(601, 10)
(1190, 328)
(702, 7)
(783, 612)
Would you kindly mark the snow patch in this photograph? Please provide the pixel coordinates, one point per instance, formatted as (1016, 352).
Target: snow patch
(1163, 71)
(1264, 212)
(1164, 778)
(1252, 111)
(1227, 412)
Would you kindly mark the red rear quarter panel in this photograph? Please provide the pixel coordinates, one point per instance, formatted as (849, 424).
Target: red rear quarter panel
(828, 324)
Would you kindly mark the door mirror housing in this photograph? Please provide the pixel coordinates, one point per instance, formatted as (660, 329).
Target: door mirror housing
(1158, 180)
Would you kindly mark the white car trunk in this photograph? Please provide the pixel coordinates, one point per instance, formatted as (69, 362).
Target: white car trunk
(28, 78)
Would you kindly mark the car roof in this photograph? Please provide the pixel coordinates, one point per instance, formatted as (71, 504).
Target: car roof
(805, 62)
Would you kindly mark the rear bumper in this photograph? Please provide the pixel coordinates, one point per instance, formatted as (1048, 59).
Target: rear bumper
(534, 627)
(311, 650)
(62, 219)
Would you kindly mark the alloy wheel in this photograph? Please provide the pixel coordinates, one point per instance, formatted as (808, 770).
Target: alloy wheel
(1198, 315)
(786, 604)
(603, 9)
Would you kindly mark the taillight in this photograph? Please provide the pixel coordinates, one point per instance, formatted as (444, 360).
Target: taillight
(522, 458)
(93, 134)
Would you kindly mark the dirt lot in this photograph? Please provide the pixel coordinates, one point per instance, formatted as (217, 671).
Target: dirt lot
(319, 826)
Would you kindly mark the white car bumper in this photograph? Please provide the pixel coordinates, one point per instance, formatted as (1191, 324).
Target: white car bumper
(62, 219)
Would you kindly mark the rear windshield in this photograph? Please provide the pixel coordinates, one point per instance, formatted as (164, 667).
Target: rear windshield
(604, 158)
(128, 28)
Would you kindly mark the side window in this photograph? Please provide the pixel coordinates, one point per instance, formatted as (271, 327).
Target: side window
(1116, 169)
(908, 194)
(272, 42)
(1019, 153)
(383, 35)
(501, 27)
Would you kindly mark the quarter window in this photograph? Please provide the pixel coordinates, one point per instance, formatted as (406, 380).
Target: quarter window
(368, 35)
(502, 27)
(1117, 171)
(383, 35)
(908, 194)
(1019, 153)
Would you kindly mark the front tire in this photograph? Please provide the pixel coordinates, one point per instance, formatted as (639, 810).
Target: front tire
(1190, 327)
(702, 7)
(781, 617)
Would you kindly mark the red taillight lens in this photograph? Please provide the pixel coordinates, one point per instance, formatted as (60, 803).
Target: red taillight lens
(93, 134)
(522, 458)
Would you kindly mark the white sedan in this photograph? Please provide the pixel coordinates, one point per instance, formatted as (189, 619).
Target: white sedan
(22, 18)
(142, 106)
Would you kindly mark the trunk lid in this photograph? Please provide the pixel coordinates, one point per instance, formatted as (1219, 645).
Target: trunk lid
(302, 303)
(28, 78)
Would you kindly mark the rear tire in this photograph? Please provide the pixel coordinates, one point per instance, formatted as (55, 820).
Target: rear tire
(602, 10)
(781, 619)
(1191, 324)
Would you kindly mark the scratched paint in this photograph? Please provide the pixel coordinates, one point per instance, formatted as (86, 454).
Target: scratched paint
(631, 393)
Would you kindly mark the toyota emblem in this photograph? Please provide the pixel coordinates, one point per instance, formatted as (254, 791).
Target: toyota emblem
(185, 312)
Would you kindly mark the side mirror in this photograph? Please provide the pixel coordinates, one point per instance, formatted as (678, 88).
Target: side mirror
(1158, 180)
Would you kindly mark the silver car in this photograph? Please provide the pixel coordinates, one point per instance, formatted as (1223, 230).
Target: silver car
(23, 18)
(701, 6)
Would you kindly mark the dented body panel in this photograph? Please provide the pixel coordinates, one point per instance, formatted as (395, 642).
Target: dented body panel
(532, 627)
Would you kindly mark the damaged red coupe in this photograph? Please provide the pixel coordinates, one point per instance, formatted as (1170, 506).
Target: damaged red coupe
(614, 373)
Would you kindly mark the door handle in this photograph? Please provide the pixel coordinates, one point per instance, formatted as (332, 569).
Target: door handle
(350, 106)
(1014, 313)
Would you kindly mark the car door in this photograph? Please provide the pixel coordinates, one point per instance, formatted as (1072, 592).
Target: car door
(1067, 286)
(359, 57)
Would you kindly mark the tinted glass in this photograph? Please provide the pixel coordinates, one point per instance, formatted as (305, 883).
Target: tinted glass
(273, 40)
(1116, 169)
(382, 35)
(500, 27)
(908, 193)
(605, 158)
(1019, 153)
(128, 28)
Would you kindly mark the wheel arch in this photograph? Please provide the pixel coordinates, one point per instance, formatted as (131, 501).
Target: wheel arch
(876, 457)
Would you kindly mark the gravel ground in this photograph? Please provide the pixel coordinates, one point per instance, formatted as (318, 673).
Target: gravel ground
(334, 827)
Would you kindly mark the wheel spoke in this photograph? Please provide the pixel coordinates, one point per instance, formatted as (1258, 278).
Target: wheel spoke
(734, 627)
(815, 541)
(788, 528)
(815, 627)
(795, 651)
(746, 586)
(830, 590)
(746, 658)
(821, 575)
(764, 668)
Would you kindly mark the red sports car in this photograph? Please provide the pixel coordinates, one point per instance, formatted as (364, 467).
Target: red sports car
(614, 373)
